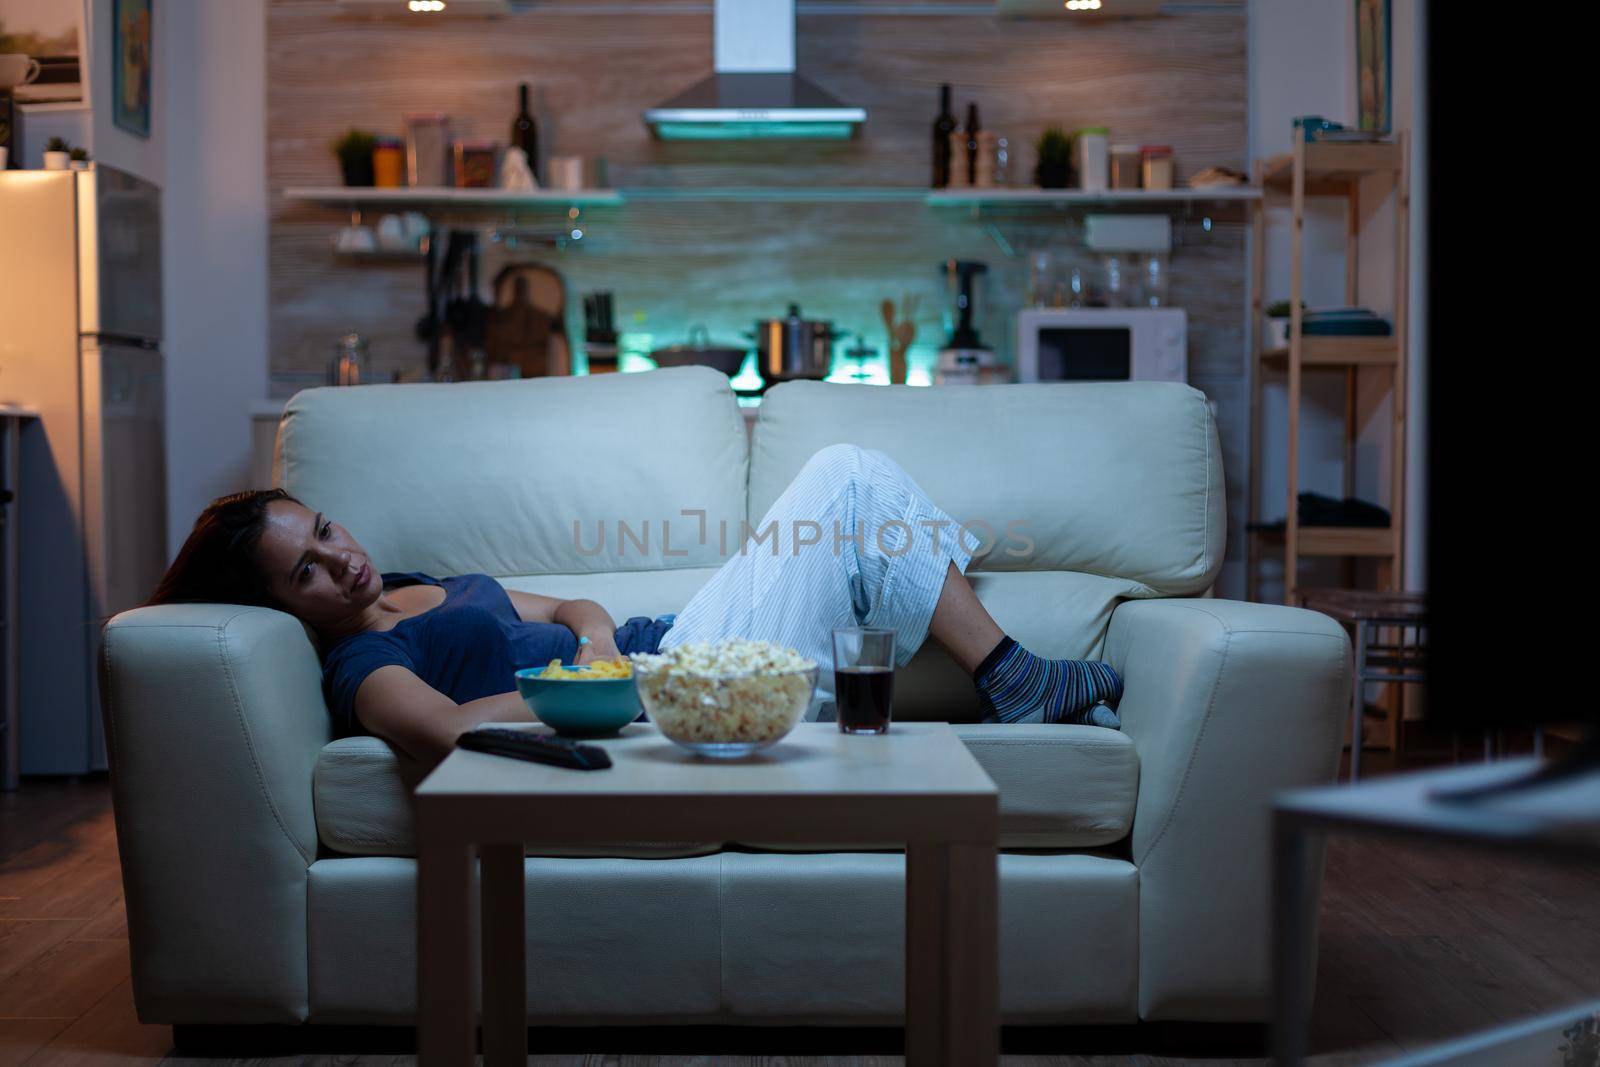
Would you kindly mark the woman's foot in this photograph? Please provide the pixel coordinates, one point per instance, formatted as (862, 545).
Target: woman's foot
(1017, 686)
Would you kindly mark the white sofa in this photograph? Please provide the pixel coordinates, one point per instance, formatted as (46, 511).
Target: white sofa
(268, 871)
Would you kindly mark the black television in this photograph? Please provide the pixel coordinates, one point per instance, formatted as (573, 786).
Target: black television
(1506, 544)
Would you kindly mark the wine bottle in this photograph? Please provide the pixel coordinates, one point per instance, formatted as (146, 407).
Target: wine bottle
(972, 143)
(943, 126)
(525, 134)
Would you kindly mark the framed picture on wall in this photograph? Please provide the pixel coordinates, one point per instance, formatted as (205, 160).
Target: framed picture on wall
(1372, 64)
(130, 65)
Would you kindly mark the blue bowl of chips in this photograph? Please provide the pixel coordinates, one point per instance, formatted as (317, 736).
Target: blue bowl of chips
(579, 702)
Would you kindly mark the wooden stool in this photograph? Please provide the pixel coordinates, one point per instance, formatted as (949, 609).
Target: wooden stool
(1402, 658)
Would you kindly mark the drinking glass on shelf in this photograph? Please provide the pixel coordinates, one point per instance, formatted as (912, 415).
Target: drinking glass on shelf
(863, 679)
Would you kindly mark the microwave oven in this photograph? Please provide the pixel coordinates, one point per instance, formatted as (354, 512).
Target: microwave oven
(1102, 345)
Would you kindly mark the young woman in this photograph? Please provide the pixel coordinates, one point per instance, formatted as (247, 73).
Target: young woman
(418, 660)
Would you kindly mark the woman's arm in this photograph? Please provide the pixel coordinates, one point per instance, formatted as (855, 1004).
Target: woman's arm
(583, 617)
(396, 705)
(588, 619)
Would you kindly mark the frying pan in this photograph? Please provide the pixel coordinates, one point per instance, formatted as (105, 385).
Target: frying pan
(700, 353)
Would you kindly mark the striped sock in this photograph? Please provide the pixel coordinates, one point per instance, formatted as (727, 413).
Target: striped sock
(1017, 686)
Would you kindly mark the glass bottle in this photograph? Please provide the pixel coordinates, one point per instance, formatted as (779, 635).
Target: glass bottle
(972, 143)
(942, 128)
(525, 133)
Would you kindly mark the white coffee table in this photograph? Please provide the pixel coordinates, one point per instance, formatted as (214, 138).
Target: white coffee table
(916, 784)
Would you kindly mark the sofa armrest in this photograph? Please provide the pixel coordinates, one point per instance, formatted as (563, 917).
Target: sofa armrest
(1228, 703)
(214, 718)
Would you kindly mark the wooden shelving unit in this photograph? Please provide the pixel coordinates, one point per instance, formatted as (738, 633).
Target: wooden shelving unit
(1329, 169)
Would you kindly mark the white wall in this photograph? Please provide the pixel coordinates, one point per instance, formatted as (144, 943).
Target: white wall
(214, 269)
(109, 143)
(1302, 62)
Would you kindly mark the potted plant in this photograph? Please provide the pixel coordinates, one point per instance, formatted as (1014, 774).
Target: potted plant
(1054, 167)
(56, 154)
(354, 150)
(78, 159)
(1278, 313)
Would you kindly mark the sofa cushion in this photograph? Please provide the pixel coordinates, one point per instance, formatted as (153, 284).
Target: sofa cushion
(1059, 614)
(1060, 787)
(479, 476)
(1121, 479)
(362, 793)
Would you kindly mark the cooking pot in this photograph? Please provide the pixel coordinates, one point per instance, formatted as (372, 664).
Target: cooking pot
(698, 352)
(793, 347)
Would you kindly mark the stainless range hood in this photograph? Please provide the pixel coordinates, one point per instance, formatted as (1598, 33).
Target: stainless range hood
(755, 93)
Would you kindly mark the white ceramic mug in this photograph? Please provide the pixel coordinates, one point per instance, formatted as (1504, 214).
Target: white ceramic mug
(391, 233)
(356, 239)
(17, 69)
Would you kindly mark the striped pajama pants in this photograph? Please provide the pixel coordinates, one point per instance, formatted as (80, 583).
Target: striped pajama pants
(812, 574)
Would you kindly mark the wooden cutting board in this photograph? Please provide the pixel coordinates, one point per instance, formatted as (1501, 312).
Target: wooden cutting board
(527, 321)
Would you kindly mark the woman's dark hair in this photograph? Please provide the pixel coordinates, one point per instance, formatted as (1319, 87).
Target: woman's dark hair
(217, 564)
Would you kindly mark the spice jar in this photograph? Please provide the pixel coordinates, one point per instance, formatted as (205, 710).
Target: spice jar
(1157, 166)
(389, 163)
(1094, 158)
(1126, 163)
(350, 365)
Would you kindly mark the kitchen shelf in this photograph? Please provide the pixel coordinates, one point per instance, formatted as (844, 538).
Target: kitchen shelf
(444, 197)
(1030, 196)
(798, 194)
(1332, 167)
(1324, 351)
(450, 198)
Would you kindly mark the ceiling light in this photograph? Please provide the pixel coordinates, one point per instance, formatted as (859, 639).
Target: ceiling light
(425, 5)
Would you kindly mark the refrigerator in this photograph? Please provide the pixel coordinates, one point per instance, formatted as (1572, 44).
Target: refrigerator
(80, 342)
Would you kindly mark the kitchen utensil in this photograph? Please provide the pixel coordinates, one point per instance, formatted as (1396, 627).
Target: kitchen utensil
(699, 352)
(525, 327)
(860, 354)
(904, 333)
(793, 347)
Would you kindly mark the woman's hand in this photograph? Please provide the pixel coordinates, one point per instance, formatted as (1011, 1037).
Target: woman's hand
(585, 618)
(597, 648)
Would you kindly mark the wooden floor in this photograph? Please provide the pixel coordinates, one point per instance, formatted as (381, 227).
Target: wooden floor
(1418, 945)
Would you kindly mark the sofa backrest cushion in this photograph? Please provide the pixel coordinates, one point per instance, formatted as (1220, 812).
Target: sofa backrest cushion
(490, 477)
(1118, 479)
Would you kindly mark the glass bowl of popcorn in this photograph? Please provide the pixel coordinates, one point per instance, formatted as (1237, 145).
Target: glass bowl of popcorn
(725, 699)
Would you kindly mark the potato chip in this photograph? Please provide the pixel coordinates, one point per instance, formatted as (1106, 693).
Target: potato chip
(598, 669)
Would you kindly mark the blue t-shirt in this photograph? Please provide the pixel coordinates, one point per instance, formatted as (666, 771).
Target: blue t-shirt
(471, 645)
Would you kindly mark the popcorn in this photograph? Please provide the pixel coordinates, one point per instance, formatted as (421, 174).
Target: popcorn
(730, 692)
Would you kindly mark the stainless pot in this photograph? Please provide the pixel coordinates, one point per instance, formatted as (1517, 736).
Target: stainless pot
(793, 347)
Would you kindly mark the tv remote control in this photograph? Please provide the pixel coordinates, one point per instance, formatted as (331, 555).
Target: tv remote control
(535, 747)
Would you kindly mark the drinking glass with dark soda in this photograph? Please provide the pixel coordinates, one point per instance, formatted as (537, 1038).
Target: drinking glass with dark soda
(863, 679)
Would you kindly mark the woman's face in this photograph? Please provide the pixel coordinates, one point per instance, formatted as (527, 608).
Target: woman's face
(315, 569)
